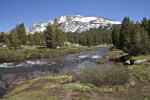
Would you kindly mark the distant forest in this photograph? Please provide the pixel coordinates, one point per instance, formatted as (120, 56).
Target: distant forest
(93, 37)
(53, 37)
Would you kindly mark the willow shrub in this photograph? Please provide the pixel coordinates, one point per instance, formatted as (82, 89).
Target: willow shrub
(104, 75)
(11, 56)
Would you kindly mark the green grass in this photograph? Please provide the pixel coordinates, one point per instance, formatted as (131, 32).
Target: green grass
(56, 87)
(125, 56)
(140, 57)
(19, 92)
(32, 52)
(141, 71)
(115, 52)
(78, 86)
(146, 96)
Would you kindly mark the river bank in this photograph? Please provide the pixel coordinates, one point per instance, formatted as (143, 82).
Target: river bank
(14, 72)
(68, 86)
(31, 52)
(56, 87)
(140, 68)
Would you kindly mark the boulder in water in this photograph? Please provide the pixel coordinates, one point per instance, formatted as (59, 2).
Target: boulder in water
(100, 60)
(107, 58)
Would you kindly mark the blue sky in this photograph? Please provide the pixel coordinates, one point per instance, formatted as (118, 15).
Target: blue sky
(35, 11)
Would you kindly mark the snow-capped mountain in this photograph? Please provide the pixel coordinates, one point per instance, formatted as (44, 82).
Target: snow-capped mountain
(73, 23)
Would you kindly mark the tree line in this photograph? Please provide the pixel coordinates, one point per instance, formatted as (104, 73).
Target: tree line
(53, 36)
(133, 38)
(92, 37)
(17, 37)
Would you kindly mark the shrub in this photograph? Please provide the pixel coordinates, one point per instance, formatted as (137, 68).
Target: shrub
(104, 75)
(36, 55)
(11, 56)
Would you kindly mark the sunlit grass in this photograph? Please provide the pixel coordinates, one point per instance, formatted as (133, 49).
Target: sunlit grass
(33, 52)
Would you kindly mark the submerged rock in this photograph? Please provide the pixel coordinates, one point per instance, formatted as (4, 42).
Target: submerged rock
(107, 58)
(100, 60)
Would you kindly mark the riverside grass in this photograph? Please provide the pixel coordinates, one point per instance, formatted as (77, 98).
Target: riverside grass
(57, 87)
(65, 87)
(32, 52)
(140, 71)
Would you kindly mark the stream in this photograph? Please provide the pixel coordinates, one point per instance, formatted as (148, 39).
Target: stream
(13, 72)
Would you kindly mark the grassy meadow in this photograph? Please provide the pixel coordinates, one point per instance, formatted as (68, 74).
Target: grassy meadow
(34, 52)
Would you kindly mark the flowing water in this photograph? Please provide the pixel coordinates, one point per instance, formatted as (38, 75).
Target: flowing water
(76, 61)
(9, 72)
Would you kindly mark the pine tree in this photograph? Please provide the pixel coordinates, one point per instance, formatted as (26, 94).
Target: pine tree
(139, 41)
(83, 40)
(14, 41)
(145, 23)
(42, 39)
(135, 39)
(30, 39)
(60, 35)
(115, 36)
(55, 24)
(89, 40)
(149, 28)
(36, 38)
(1, 39)
(145, 42)
(95, 40)
(22, 33)
(4, 39)
(125, 34)
(50, 36)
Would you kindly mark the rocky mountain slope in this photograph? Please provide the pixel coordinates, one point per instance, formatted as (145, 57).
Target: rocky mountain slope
(74, 23)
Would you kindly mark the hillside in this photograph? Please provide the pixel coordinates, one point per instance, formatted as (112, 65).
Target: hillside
(74, 23)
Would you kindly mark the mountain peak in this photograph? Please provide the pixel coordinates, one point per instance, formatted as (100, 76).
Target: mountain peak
(73, 23)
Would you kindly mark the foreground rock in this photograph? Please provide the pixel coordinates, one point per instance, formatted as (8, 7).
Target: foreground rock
(127, 62)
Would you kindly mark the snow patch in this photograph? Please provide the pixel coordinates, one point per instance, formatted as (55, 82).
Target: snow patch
(84, 19)
(62, 19)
